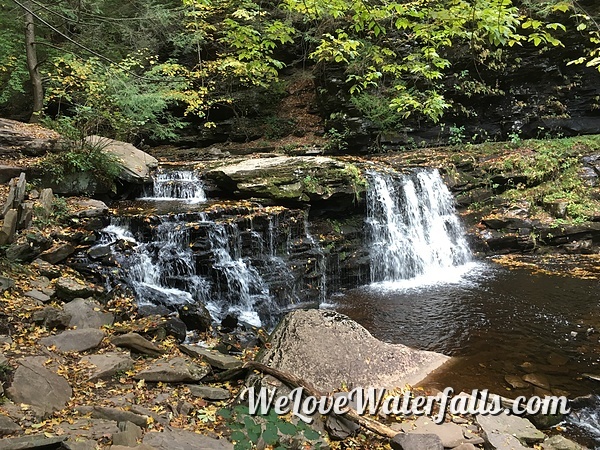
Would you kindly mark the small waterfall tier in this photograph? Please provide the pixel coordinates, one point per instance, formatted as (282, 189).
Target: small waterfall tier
(176, 184)
(413, 230)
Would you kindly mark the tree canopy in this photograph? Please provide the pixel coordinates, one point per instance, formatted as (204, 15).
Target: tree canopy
(146, 66)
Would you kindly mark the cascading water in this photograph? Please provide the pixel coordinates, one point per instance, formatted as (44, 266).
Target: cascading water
(228, 266)
(176, 184)
(413, 229)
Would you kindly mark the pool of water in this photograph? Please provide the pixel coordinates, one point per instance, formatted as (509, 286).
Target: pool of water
(496, 322)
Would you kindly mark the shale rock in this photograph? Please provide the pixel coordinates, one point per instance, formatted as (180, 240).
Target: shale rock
(107, 364)
(75, 340)
(176, 370)
(87, 313)
(68, 289)
(137, 343)
(184, 440)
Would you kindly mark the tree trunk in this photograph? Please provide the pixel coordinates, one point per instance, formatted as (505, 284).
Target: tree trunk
(32, 66)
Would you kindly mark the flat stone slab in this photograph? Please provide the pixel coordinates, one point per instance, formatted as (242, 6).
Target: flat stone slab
(87, 313)
(38, 295)
(75, 340)
(137, 343)
(68, 289)
(184, 440)
(329, 349)
(93, 428)
(176, 370)
(558, 442)
(37, 386)
(107, 364)
(209, 393)
(113, 414)
(213, 357)
(7, 426)
(416, 442)
(450, 434)
(495, 427)
(36, 441)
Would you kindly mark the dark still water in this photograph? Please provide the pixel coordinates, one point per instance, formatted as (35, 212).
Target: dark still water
(497, 322)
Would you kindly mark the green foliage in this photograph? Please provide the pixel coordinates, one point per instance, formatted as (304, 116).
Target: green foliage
(274, 431)
(457, 135)
(277, 127)
(336, 141)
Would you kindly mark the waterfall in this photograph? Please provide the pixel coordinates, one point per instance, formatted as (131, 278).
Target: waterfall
(232, 264)
(176, 184)
(413, 230)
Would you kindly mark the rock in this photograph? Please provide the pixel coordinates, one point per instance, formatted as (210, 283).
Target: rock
(6, 284)
(184, 440)
(46, 202)
(505, 425)
(68, 289)
(10, 199)
(46, 269)
(297, 346)
(504, 442)
(291, 179)
(5, 340)
(107, 364)
(516, 382)
(7, 426)
(537, 379)
(558, 442)
(176, 370)
(87, 428)
(7, 173)
(37, 295)
(9, 227)
(87, 313)
(37, 386)
(214, 358)
(195, 316)
(79, 444)
(137, 343)
(557, 360)
(209, 392)
(3, 361)
(88, 208)
(340, 428)
(136, 165)
(128, 436)
(113, 414)
(36, 441)
(52, 317)
(450, 434)
(58, 253)
(465, 447)
(75, 340)
(25, 216)
(29, 139)
(176, 328)
(416, 442)
(100, 251)
(137, 447)
(22, 252)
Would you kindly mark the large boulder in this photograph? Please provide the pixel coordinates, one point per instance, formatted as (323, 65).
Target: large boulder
(285, 179)
(29, 139)
(136, 165)
(328, 350)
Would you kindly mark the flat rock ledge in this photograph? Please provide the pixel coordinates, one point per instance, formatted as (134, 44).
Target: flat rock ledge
(329, 349)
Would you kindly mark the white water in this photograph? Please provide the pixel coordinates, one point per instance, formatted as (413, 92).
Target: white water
(415, 236)
(177, 184)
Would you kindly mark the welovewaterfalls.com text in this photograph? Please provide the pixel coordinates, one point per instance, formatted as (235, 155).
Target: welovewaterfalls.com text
(373, 401)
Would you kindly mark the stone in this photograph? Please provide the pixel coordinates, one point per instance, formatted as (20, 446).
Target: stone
(184, 440)
(340, 428)
(22, 252)
(466, 446)
(37, 295)
(9, 227)
(35, 441)
(100, 251)
(79, 444)
(513, 426)
(416, 442)
(113, 414)
(6, 284)
(516, 382)
(3, 360)
(20, 188)
(136, 165)
(195, 316)
(557, 360)
(87, 313)
(107, 364)
(176, 328)
(7, 173)
(68, 289)
(88, 208)
(58, 253)
(137, 447)
(209, 392)
(537, 379)
(46, 269)
(46, 202)
(559, 442)
(137, 343)
(52, 317)
(291, 179)
(89, 428)
(128, 436)
(297, 346)
(10, 199)
(176, 370)
(37, 386)
(214, 358)
(75, 340)
(5, 340)
(450, 434)
(25, 215)
(7, 426)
